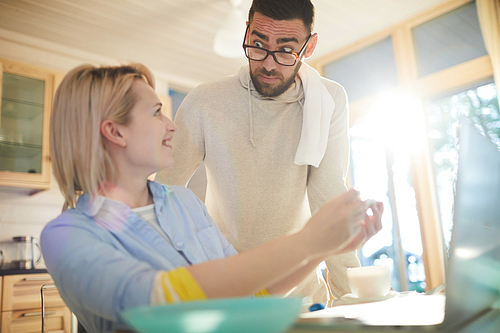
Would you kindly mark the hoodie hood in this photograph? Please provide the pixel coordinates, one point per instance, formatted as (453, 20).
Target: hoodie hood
(294, 94)
(317, 111)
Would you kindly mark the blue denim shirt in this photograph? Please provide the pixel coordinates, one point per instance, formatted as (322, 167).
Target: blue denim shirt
(103, 256)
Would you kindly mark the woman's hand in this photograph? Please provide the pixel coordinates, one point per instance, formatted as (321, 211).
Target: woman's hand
(342, 225)
(370, 226)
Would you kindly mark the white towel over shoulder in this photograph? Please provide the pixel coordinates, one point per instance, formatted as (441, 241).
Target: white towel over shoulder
(318, 110)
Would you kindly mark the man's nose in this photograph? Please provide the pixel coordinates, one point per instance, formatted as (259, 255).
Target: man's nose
(269, 63)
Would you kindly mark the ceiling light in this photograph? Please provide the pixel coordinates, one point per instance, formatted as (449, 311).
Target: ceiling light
(228, 39)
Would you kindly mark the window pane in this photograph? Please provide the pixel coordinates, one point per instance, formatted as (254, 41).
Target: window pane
(409, 225)
(480, 106)
(380, 171)
(365, 72)
(448, 40)
(177, 98)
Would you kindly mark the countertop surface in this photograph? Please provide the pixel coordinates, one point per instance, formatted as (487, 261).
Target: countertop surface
(22, 271)
(488, 322)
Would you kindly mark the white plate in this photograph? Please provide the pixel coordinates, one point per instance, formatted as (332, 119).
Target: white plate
(352, 299)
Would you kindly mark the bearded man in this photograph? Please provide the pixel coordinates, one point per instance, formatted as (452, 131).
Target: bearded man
(273, 139)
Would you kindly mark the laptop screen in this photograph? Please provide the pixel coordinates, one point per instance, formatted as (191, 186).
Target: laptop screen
(473, 272)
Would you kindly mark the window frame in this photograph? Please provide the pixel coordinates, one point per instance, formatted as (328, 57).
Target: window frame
(421, 88)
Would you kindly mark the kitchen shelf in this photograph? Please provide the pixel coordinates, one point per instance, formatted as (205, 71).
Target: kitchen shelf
(19, 150)
(17, 109)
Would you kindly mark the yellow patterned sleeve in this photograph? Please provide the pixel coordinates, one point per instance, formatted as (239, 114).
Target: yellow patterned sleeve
(263, 292)
(179, 285)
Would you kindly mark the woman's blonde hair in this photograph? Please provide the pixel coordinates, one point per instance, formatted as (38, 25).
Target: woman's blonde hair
(86, 97)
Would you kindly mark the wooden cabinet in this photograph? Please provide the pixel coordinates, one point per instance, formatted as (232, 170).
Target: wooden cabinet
(21, 305)
(25, 102)
(1, 284)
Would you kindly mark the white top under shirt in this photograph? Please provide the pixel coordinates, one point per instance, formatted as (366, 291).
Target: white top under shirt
(147, 213)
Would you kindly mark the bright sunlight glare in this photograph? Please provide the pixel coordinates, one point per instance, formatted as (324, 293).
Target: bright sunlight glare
(398, 119)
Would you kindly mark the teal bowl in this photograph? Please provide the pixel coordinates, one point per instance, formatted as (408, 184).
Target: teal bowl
(241, 315)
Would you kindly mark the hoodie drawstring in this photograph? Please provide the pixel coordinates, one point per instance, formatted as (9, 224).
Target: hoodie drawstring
(245, 73)
(250, 112)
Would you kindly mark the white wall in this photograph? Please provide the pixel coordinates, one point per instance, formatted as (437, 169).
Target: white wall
(25, 214)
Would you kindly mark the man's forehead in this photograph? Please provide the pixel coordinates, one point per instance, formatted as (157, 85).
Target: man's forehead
(270, 29)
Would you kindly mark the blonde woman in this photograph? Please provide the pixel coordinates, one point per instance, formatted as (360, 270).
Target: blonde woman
(123, 241)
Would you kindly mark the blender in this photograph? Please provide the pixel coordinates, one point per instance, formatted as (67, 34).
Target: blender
(25, 246)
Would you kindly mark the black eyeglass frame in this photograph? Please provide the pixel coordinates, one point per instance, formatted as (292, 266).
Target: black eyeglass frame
(297, 55)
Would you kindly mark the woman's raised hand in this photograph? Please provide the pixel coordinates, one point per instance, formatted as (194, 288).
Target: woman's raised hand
(370, 225)
(342, 224)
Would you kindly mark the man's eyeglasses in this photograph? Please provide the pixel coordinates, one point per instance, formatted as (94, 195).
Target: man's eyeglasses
(281, 57)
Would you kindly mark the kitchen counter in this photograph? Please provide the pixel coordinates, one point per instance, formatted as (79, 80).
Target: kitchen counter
(488, 322)
(22, 271)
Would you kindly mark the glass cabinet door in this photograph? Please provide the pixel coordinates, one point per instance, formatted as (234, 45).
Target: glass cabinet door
(25, 103)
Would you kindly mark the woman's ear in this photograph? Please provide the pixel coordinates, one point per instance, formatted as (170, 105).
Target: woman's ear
(111, 131)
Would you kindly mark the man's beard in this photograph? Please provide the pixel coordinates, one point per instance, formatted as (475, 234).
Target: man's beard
(267, 90)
